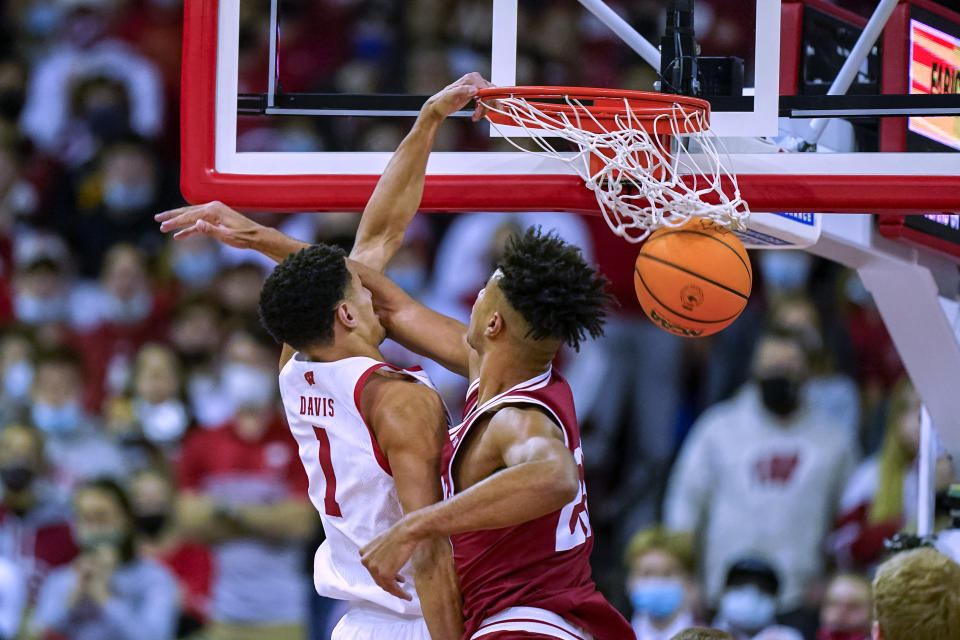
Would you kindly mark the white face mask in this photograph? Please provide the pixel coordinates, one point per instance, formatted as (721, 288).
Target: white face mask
(17, 380)
(125, 196)
(247, 386)
(162, 422)
(748, 608)
(56, 420)
(657, 597)
(209, 405)
(129, 311)
(33, 310)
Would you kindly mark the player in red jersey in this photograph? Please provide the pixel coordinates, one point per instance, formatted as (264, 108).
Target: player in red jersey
(516, 505)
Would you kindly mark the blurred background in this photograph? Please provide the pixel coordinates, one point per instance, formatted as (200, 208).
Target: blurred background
(149, 488)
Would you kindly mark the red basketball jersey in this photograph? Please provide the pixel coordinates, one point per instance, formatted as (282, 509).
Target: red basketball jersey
(541, 563)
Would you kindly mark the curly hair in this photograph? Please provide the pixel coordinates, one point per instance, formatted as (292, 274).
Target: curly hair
(299, 299)
(550, 284)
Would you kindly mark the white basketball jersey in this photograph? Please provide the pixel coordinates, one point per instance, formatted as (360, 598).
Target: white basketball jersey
(350, 480)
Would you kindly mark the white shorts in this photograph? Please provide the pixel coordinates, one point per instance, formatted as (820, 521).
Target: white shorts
(531, 620)
(365, 621)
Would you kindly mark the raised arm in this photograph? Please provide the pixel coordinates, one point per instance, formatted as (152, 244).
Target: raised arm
(397, 195)
(539, 475)
(410, 426)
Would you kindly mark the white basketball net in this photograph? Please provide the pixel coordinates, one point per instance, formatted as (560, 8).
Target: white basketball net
(639, 185)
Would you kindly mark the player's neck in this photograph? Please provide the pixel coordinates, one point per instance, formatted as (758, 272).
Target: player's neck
(348, 347)
(503, 368)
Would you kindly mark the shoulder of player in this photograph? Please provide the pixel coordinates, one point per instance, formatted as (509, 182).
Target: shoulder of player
(401, 403)
(397, 390)
(523, 421)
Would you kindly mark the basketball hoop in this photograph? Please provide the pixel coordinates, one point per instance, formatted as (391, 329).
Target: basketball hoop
(626, 155)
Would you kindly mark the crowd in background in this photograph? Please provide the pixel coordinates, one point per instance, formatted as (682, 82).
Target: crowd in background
(149, 487)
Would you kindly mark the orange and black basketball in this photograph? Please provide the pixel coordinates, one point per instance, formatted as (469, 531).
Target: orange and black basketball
(693, 280)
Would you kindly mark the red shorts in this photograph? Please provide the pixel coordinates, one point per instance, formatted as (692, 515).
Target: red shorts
(527, 623)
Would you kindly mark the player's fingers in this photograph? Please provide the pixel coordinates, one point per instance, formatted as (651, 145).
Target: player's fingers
(217, 231)
(475, 78)
(185, 218)
(391, 587)
(163, 216)
(186, 233)
(479, 111)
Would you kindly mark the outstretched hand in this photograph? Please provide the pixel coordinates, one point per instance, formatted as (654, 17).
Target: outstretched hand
(455, 96)
(386, 554)
(213, 219)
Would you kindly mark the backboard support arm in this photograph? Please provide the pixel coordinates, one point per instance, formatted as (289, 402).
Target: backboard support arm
(841, 84)
(622, 28)
(912, 291)
(272, 62)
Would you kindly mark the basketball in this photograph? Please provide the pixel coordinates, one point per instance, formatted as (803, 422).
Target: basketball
(693, 280)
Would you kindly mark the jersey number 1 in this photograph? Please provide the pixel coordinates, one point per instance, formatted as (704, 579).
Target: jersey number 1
(330, 505)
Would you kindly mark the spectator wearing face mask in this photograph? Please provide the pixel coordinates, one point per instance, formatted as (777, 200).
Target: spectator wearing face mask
(195, 261)
(847, 609)
(109, 591)
(784, 275)
(34, 527)
(76, 449)
(828, 390)
(155, 409)
(114, 201)
(881, 497)
(245, 493)
(153, 499)
(85, 49)
(748, 605)
(17, 352)
(751, 464)
(245, 376)
(42, 287)
(916, 596)
(660, 583)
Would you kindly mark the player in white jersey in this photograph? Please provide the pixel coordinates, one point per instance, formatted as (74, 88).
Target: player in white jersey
(351, 481)
(370, 435)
